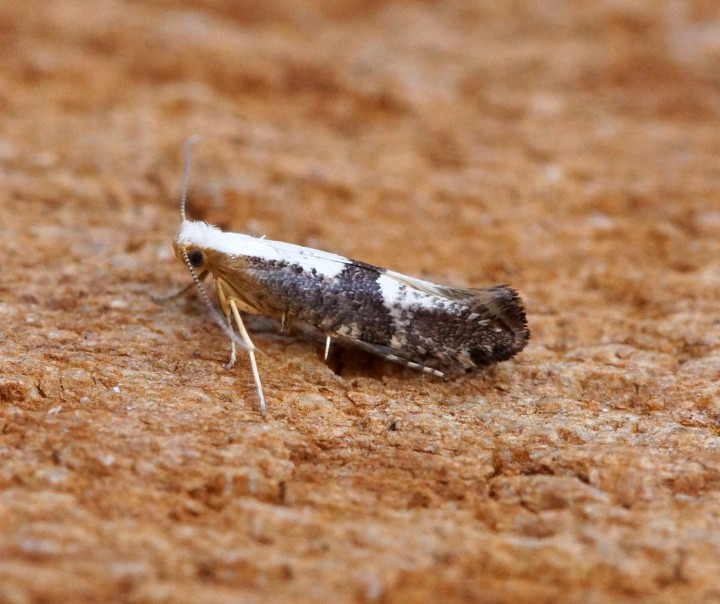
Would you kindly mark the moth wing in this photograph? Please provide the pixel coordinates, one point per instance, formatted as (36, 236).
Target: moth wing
(305, 256)
(456, 294)
(424, 287)
(499, 304)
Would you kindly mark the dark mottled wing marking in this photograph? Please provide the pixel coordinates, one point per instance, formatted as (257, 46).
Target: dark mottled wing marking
(409, 321)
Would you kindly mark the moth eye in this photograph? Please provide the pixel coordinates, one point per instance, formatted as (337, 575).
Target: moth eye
(196, 258)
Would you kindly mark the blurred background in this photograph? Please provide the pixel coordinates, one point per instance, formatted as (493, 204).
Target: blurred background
(569, 148)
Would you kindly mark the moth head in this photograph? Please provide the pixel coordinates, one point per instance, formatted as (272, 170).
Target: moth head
(194, 243)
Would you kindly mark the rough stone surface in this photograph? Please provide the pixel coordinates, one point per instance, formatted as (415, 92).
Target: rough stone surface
(570, 149)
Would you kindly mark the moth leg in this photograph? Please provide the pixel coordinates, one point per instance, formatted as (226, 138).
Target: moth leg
(228, 317)
(246, 338)
(283, 319)
(327, 347)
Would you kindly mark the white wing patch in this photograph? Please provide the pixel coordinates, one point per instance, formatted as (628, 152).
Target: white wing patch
(205, 236)
(401, 292)
(425, 287)
(326, 264)
(437, 293)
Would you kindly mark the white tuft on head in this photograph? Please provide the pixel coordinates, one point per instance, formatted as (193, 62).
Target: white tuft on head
(209, 237)
(197, 233)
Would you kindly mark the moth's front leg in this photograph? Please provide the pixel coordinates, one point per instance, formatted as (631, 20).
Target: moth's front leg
(228, 317)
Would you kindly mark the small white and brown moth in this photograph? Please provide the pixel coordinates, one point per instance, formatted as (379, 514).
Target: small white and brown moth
(433, 328)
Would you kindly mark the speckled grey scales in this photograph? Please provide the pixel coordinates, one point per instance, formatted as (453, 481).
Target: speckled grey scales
(452, 330)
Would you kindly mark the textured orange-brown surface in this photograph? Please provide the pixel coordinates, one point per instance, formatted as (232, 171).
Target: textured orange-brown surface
(571, 149)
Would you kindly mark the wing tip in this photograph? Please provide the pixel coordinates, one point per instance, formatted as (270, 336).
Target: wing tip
(507, 305)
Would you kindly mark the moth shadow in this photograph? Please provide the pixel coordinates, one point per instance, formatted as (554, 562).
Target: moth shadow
(348, 362)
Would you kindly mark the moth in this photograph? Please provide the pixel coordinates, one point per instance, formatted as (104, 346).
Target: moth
(437, 329)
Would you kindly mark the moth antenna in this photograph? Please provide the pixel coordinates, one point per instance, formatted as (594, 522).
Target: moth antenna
(186, 176)
(183, 196)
